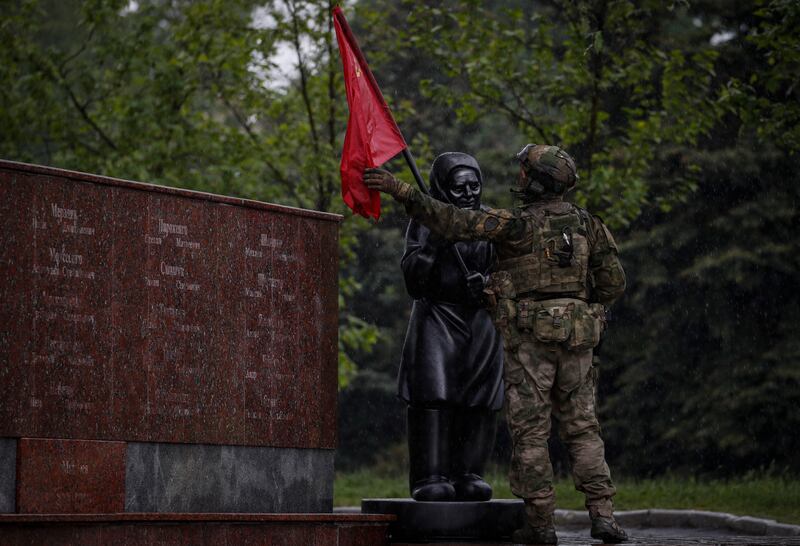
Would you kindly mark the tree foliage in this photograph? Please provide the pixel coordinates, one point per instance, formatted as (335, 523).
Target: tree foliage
(592, 76)
(715, 365)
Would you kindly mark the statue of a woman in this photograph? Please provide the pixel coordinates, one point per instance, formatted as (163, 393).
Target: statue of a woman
(451, 369)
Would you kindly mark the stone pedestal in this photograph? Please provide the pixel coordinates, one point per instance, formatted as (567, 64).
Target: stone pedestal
(449, 521)
(163, 350)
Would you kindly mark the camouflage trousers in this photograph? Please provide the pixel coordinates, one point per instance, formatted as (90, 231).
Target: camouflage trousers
(544, 379)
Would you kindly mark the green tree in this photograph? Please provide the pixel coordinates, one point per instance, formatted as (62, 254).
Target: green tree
(598, 77)
(767, 99)
(711, 382)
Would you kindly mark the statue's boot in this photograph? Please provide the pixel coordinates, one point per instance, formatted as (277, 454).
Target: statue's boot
(428, 436)
(472, 444)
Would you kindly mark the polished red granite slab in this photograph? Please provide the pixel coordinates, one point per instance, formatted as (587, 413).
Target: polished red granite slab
(188, 517)
(179, 529)
(138, 312)
(239, 534)
(70, 476)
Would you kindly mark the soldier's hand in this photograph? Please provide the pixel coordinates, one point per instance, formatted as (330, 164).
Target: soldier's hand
(383, 181)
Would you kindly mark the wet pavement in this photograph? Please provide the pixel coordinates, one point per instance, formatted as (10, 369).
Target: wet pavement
(649, 537)
(674, 536)
(654, 527)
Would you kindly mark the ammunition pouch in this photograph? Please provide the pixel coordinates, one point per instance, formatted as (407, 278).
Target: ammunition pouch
(501, 294)
(589, 323)
(574, 323)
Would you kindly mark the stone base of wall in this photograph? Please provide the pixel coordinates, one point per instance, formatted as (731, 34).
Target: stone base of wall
(59, 476)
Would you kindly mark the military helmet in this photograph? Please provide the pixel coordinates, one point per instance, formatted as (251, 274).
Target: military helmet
(548, 169)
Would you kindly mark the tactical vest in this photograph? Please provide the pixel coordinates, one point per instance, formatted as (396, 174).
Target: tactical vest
(558, 261)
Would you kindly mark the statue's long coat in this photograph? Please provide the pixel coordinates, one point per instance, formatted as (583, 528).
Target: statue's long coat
(452, 354)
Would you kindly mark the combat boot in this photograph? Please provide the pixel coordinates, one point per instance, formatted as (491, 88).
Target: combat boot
(538, 527)
(534, 535)
(608, 530)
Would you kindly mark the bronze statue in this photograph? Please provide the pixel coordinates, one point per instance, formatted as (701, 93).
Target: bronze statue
(451, 369)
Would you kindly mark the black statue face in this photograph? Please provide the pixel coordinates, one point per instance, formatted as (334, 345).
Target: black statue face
(464, 188)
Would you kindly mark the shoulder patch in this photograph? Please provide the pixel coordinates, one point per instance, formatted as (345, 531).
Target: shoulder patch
(491, 223)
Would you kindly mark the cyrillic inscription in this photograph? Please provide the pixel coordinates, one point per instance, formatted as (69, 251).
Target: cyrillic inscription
(63, 212)
(172, 270)
(269, 242)
(167, 228)
(187, 244)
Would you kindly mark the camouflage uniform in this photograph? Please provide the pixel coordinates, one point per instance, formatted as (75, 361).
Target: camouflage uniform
(550, 310)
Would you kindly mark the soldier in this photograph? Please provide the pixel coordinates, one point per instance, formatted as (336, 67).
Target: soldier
(451, 372)
(558, 268)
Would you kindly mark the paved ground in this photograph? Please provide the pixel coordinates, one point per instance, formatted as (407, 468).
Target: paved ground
(654, 537)
(667, 528)
(651, 537)
(682, 527)
(674, 536)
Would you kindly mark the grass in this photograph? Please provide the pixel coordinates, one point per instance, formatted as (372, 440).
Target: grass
(767, 497)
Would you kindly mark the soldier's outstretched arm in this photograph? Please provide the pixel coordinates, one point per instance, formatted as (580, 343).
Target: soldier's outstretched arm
(444, 219)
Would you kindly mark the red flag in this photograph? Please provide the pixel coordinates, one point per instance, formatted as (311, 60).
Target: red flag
(372, 136)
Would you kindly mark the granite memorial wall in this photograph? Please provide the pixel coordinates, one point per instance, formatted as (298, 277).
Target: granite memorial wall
(163, 350)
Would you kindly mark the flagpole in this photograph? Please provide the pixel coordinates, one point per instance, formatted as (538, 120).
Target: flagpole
(415, 171)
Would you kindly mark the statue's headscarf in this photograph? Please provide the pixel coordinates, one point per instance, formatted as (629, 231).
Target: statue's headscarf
(446, 164)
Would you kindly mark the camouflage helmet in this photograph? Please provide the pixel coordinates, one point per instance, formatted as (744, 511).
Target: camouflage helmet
(548, 169)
